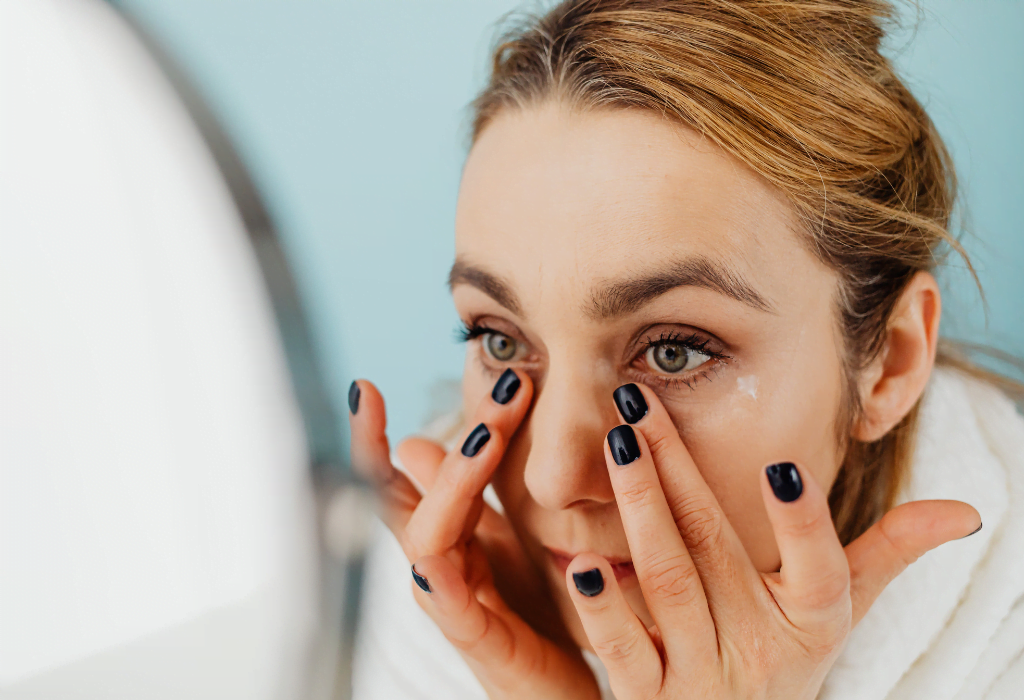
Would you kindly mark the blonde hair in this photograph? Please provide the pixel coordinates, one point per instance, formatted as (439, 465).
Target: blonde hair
(799, 92)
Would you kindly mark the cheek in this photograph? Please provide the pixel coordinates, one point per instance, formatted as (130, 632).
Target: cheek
(760, 420)
(474, 386)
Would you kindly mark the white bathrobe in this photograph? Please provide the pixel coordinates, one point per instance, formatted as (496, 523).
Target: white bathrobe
(950, 627)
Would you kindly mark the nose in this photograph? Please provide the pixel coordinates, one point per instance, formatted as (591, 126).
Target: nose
(571, 417)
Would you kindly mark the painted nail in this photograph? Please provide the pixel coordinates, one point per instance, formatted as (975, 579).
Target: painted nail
(476, 440)
(785, 481)
(353, 398)
(625, 449)
(589, 583)
(506, 387)
(421, 581)
(631, 402)
(972, 533)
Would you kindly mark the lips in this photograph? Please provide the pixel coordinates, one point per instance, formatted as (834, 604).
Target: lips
(622, 568)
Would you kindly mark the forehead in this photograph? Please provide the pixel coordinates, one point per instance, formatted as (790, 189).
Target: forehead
(553, 198)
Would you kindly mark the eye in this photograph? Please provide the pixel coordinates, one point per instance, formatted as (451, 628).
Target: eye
(674, 358)
(500, 346)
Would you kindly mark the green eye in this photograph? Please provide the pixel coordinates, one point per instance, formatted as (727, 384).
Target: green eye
(500, 347)
(672, 358)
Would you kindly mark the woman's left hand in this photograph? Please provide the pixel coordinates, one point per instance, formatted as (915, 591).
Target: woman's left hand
(722, 629)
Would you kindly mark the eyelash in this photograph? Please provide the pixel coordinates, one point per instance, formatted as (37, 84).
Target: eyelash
(470, 331)
(692, 341)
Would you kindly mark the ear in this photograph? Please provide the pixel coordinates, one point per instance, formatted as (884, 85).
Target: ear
(892, 384)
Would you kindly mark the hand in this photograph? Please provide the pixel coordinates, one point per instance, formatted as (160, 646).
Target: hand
(722, 629)
(441, 533)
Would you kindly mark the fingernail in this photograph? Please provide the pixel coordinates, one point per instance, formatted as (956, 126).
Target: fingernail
(420, 580)
(631, 402)
(353, 397)
(625, 449)
(972, 533)
(785, 481)
(476, 440)
(589, 583)
(506, 387)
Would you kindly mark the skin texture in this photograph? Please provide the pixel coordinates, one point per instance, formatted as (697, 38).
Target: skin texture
(565, 224)
(612, 196)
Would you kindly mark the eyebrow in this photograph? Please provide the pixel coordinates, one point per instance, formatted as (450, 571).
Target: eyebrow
(624, 297)
(619, 298)
(490, 284)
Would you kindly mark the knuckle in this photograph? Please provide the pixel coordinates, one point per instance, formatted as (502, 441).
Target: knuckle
(825, 642)
(658, 441)
(902, 554)
(636, 493)
(809, 524)
(468, 639)
(830, 589)
(619, 649)
(701, 526)
(669, 578)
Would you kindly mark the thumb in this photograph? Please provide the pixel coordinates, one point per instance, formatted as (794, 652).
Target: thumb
(898, 540)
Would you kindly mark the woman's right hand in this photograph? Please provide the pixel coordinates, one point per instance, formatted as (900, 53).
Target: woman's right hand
(438, 531)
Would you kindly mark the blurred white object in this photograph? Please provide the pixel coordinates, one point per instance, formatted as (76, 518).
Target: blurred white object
(157, 534)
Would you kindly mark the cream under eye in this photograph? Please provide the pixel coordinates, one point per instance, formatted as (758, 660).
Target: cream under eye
(674, 358)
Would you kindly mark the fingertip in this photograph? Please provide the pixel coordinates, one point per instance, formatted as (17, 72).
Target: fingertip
(631, 403)
(507, 387)
(353, 397)
(784, 481)
(366, 405)
(787, 485)
(588, 575)
(933, 521)
(421, 580)
(434, 575)
(623, 444)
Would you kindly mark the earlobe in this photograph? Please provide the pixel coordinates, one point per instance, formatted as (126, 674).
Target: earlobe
(892, 384)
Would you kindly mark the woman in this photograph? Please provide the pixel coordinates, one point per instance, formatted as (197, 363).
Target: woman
(694, 245)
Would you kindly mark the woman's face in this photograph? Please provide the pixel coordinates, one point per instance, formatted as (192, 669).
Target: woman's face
(598, 249)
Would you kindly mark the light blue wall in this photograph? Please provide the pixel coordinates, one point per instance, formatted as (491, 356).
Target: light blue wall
(351, 116)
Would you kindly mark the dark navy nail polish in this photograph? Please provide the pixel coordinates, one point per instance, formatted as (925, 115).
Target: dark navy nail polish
(420, 580)
(625, 449)
(973, 533)
(476, 440)
(631, 402)
(785, 481)
(353, 397)
(506, 387)
(589, 583)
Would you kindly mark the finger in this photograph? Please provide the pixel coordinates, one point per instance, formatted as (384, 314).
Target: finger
(617, 636)
(670, 583)
(897, 540)
(505, 651)
(717, 553)
(371, 456)
(422, 459)
(814, 581)
(449, 510)
(444, 595)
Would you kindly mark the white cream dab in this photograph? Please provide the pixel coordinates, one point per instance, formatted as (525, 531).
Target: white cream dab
(748, 385)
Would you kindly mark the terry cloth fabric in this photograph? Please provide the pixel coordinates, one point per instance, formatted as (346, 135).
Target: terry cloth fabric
(951, 627)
